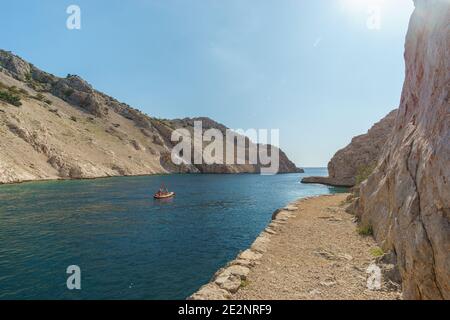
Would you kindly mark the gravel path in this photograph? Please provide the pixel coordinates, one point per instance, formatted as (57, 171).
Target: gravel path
(316, 254)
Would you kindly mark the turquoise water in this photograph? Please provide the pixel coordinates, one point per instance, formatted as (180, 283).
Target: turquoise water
(128, 245)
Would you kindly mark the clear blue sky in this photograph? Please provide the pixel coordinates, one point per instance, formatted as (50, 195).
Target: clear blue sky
(311, 68)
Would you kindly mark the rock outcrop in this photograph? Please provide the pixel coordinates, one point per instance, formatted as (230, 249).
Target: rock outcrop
(62, 128)
(359, 157)
(407, 198)
(166, 127)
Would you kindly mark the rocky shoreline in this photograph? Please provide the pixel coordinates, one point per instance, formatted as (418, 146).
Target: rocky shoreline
(327, 181)
(310, 250)
(232, 277)
(121, 176)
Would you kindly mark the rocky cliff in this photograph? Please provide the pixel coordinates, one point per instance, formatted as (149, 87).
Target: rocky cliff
(356, 160)
(407, 198)
(53, 128)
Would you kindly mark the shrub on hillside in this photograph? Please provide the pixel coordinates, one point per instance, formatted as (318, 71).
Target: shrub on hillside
(363, 173)
(39, 97)
(10, 98)
(366, 230)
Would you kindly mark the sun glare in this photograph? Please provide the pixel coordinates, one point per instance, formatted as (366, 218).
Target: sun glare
(377, 13)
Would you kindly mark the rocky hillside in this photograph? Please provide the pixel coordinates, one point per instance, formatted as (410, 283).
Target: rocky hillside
(406, 201)
(53, 128)
(353, 163)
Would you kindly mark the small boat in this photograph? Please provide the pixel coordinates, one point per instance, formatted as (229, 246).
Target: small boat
(164, 195)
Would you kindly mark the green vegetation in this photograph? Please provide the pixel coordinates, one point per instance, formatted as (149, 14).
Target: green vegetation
(10, 95)
(13, 90)
(165, 122)
(34, 84)
(16, 91)
(68, 92)
(10, 98)
(376, 252)
(23, 92)
(29, 77)
(244, 283)
(39, 97)
(39, 84)
(365, 230)
(363, 173)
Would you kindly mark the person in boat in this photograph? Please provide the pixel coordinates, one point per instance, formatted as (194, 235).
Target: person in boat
(163, 192)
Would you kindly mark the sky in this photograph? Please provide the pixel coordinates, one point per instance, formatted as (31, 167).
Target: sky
(320, 71)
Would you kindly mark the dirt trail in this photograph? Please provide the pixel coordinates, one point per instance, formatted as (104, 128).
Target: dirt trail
(316, 254)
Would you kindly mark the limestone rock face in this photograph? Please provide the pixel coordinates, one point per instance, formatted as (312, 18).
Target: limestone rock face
(360, 155)
(15, 66)
(166, 128)
(65, 129)
(407, 198)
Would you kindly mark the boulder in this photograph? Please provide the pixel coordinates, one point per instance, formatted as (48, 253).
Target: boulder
(250, 255)
(210, 291)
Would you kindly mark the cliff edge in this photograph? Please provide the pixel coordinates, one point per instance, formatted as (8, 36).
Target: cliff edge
(354, 161)
(407, 198)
